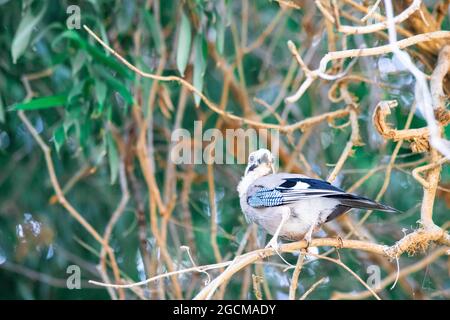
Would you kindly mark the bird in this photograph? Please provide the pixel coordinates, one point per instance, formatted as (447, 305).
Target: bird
(293, 206)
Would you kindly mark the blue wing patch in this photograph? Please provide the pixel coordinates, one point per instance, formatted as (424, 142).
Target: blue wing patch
(286, 192)
(265, 197)
(313, 184)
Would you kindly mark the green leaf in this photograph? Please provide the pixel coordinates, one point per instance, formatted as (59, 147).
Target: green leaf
(117, 85)
(220, 38)
(56, 26)
(77, 90)
(154, 29)
(113, 157)
(2, 111)
(77, 62)
(201, 51)
(100, 95)
(42, 103)
(84, 133)
(184, 44)
(124, 18)
(95, 52)
(59, 136)
(100, 92)
(23, 33)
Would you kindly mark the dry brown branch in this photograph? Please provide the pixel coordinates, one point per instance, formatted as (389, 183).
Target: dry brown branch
(416, 172)
(423, 263)
(287, 128)
(420, 140)
(426, 46)
(58, 191)
(295, 275)
(418, 240)
(324, 11)
(419, 137)
(343, 265)
(244, 260)
(83, 172)
(267, 31)
(51, 170)
(355, 140)
(415, 5)
(113, 220)
(288, 4)
(411, 243)
(313, 287)
(213, 210)
(406, 244)
(422, 21)
(390, 166)
(442, 11)
(256, 280)
(364, 52)
(437, 81)
(371, 11)
(33, 275)
(155, 197)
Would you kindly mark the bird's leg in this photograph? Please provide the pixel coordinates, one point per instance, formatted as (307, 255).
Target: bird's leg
(341, 242)
(308, 236)
(273, 243)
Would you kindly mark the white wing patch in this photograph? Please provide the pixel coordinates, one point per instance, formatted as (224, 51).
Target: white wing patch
(298, 186)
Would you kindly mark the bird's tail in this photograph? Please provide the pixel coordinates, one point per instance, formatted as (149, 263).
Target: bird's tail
(358, 202)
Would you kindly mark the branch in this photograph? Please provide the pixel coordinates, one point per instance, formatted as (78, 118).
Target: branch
(391, 278)
(241, 120)
(421, 238)
(419, 137)
(244, 260)
(365, 52)
(437, 79)
(381, 25)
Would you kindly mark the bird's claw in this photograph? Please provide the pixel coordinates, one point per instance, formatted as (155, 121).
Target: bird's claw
(273, 243)
(308, 241)
(262, 255)
(340, 242)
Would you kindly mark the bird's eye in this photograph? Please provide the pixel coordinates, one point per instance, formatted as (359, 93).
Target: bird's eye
(251, 158)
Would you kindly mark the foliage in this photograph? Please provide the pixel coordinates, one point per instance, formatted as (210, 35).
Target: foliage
(91, 109)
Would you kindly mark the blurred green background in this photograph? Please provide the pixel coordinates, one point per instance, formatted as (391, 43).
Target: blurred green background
(83, 92)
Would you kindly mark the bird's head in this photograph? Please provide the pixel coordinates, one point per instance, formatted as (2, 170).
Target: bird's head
(261, 162)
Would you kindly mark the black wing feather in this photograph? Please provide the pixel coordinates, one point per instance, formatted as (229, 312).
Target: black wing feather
(286, 193)
(358, 202)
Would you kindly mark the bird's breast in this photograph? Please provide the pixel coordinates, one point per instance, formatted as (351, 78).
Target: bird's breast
(304, 215)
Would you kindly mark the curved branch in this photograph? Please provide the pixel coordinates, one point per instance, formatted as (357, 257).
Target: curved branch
(384, 24)
(364, 52)
(391, 278)
(283, 128)
(410, 243)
